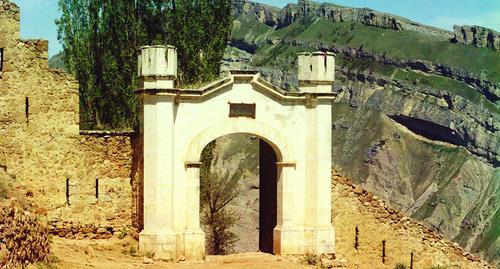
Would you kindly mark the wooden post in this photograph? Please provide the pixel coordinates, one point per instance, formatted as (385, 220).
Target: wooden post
(383, 251)
(97, 188)
(356, 241)
(67, 191)
(411, 260)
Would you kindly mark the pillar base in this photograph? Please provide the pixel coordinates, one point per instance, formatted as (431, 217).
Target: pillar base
(289, 241)
(163, 245)
(171, 246)
(191, 244)
(320, 240)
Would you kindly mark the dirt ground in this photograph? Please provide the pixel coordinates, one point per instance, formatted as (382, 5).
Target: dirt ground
(120, 254)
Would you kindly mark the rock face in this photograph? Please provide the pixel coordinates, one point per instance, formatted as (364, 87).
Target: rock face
(414, 124)
(265, 14)
(337, 13)
(273, 16)
(477, 35)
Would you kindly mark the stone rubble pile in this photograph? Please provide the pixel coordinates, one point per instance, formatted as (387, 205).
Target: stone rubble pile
(23, 238)
(75, 230)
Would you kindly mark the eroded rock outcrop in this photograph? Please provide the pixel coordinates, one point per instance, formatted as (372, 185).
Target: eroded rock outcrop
(477, 35)
(263, 13)
(273, 16)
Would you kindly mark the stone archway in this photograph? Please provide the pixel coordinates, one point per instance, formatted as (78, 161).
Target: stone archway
(257, 174)
(178, 123)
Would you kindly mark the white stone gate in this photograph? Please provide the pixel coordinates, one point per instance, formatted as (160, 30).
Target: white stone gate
(178, 123)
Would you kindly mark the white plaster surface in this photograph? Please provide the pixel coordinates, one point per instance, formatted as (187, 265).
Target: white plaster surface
(178, 124)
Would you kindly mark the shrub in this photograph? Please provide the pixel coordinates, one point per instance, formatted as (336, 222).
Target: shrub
(310, 259)
(401, 266)
(216, 193)
(123, 233)
(150, 254)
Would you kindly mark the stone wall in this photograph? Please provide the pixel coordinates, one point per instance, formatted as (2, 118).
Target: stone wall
(355, 208)
(41, 144)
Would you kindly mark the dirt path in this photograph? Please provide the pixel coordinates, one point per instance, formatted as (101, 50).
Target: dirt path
(119, 254)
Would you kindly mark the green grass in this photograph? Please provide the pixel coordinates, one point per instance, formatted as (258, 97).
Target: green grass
(250, 30)
(492, 233)
(395, 44)
(433, 81)
(449, 85)
(365, 65)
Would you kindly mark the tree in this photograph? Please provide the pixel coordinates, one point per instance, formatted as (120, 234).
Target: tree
(216, 193)
(101, 39)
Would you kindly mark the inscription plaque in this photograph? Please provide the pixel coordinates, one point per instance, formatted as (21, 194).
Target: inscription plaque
(241, 110)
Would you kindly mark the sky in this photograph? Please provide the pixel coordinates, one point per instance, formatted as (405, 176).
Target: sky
(38, 16)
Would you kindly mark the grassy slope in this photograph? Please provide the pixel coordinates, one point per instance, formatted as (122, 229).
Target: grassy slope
(397, 44)
(392, 44)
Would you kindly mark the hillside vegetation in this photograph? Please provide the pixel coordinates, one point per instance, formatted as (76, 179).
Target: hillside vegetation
(418, 114)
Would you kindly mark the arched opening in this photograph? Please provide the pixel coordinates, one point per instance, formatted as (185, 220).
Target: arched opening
(248, 163)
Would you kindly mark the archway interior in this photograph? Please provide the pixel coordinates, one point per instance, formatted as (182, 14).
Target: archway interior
(253, 161)
(268, 194)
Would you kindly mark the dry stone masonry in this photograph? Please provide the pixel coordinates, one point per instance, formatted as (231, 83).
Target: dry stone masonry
(363, 222)
(41, 144)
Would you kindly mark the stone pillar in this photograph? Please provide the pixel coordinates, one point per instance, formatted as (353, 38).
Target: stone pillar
(319, 229)
(316, 75)
(158, 235)
(289, 232)
(193, 237)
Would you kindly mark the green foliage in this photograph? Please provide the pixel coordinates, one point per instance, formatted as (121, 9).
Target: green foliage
(149, 254)
(400, 266)
(101, 39)
(310, 259)
(216, 193)
(123, 233)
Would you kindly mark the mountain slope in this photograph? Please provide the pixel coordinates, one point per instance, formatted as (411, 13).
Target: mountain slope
(418, 114)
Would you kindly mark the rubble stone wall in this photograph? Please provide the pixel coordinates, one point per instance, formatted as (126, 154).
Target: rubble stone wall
(42, 145)
(355, 208)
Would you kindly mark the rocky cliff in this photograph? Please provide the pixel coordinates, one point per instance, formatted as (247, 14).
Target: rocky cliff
(418, 114)
(273, 16)
(478, 36)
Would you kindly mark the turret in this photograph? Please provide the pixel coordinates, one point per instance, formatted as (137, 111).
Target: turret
(316, 71)
(157, 67)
